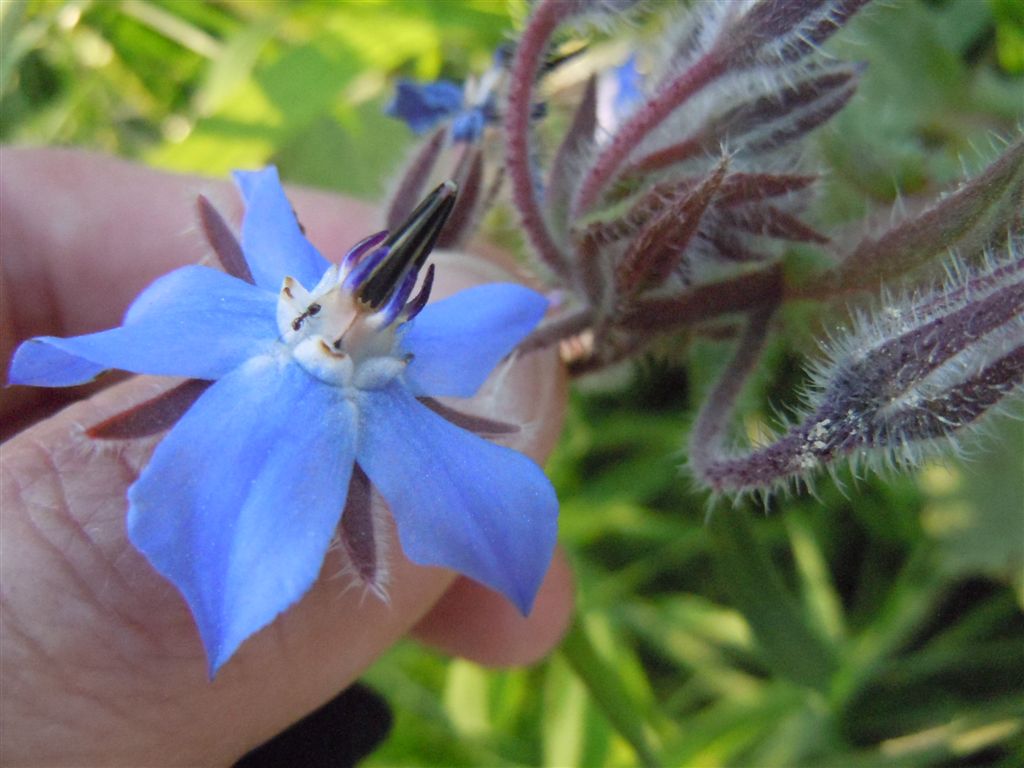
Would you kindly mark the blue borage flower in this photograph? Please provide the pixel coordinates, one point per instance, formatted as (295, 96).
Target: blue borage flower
(469, 108)
(318, 369)
(425, 105)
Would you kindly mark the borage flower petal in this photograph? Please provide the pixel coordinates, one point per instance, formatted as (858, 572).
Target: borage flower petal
(456, 343)
(272, 240)
(237, 511)
(194, 322)
(459, 501)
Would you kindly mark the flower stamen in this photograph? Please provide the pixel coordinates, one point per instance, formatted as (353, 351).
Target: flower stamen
(408, 248)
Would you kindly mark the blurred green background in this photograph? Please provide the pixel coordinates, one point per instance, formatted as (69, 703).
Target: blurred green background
(876, 625)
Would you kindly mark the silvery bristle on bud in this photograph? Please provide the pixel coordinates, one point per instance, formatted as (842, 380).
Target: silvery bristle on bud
(920, 369)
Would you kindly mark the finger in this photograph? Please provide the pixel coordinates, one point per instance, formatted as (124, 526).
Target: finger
(475, 623)
(82, 234)
(106, 649)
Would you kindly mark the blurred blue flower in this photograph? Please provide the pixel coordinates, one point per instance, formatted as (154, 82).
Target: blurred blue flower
(629, 92)
(469, 108)
(425, 105)
(317, 367)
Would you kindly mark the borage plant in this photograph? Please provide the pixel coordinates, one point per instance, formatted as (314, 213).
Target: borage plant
(661, 212)
(667, 207)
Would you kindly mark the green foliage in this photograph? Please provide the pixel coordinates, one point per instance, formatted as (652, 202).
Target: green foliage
(876, 623)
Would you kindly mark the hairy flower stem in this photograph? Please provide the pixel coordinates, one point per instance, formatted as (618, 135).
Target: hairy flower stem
(629, 136)
(562, 327)
(528, 59)
(706, 442)
(414, 180)
(962, 404)
(746, 292)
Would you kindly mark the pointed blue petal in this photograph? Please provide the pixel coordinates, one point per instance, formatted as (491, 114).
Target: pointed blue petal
(240, 501)
(459, 502)
(196, 322)
(456, 342)
(423, 105)
(272, 242)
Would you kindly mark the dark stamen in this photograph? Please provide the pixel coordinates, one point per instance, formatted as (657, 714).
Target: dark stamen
(409, 245)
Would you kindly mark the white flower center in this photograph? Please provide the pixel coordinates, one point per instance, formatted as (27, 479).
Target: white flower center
(334, 338)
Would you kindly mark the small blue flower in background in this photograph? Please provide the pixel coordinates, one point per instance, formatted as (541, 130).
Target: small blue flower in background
(629, 93)
(469, 109)
(425, 105)
(321, 373)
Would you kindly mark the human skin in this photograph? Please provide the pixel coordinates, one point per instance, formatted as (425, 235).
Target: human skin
(100, 661)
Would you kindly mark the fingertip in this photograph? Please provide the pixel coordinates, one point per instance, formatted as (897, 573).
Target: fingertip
(475, 623)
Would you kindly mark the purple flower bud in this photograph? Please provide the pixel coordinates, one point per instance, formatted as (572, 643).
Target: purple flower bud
(914, 374)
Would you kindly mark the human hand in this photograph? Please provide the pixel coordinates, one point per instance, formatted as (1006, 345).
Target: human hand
(101, 660)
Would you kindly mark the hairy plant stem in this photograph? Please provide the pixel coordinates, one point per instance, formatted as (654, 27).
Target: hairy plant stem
(527, 62)
(912, 242)
(745, 292)
(558, 329)
(707, 439)
(414, 179)
(749, 292)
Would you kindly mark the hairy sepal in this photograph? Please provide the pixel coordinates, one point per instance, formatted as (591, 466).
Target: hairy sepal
(977, 204)
(659, 247)
(414, 179)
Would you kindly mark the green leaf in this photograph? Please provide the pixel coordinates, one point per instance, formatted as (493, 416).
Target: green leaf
(822, 604)
(466, 698)
(791, 647)
(976, 510)
(572, 732)
(605, 685)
